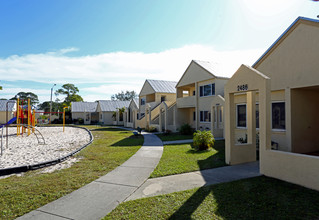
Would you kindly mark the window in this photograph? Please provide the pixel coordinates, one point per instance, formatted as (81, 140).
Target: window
(194, 116)
(220, 115)
(207, 90)
(163, 98)
(142, 101)
(194, 93)
(278, 115)
(87, 118)
(241, 116)
(204, 116)
(142, 115)
(257, 115)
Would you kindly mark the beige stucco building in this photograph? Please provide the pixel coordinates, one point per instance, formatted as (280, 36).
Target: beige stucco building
(275, 103)
(157, 101)
(106, 109)
(131, 114)
(200, 98)
(85, 111)
(4, 115)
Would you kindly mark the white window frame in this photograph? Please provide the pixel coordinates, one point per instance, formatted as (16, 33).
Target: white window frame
(210, 84)
(143, 101)
(237, 115)
(204, 119)
(276, 129)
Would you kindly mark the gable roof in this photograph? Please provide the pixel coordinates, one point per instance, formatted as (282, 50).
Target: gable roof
(112, 105)
(11, 105)
(209, 67)
(134, 103)
(282, 37)
(163, 86)
(83, 106)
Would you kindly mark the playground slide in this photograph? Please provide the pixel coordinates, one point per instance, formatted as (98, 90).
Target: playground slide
(9, 122)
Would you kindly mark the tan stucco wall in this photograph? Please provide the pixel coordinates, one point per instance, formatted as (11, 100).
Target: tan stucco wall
(77, 115)
(294, 62)
(295, 168)
(107, 118)
(194, 73)
(194, 77)
(276, 136)
(183, 116)
(146, 89)
(305, 123)
(290, 64)
(3, 117)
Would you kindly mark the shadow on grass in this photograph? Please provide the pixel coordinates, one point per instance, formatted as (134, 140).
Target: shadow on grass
(109, 129)
(254, 198)
(190, 206)
(130, 141)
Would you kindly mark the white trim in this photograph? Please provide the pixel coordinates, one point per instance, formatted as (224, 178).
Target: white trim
(276, 129)
(237, 115)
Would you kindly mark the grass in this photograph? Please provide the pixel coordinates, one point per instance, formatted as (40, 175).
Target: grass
(111, 147)
(182, 159)
(174, 137)
(255, 198)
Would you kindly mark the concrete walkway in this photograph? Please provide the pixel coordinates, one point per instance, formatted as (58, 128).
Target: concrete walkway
(180, 182)
(101, 196)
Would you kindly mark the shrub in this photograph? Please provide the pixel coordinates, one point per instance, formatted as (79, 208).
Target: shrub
(81, 121)
(203, 140)
(152, 129)
(167, 132)
(186, 129)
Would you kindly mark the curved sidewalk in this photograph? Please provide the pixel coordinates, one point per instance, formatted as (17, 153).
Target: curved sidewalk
(185, 181)
(101, 196)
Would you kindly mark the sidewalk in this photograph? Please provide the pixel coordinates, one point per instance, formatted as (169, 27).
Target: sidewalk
(101, 196)
(180, 182)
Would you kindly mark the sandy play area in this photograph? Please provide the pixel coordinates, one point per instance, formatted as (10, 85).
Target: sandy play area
(25, 150)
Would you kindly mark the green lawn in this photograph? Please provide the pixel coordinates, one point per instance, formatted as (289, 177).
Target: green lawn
(255, 198)
(174, 137)
(111, 147)
(182, 159)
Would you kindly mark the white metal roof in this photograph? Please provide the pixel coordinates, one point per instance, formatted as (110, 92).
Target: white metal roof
(112, 105)
(83, 106)
(210, 67)
(163, 86)
(11, 105)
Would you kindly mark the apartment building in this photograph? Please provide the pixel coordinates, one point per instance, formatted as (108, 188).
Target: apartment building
(275, 105)
(200, 98)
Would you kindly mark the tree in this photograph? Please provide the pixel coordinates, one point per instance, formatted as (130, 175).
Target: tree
(70, 90)
(55, 106)
(124, 96)
(25, 96)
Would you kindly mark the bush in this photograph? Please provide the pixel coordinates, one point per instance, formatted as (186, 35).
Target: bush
(186, 129)
(167, 132)
(151, 129)
(81, 121)
(203, 140)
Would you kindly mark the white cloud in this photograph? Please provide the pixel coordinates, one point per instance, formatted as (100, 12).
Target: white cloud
(118, 70)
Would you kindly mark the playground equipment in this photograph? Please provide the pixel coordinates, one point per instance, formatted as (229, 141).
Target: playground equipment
(25, 121)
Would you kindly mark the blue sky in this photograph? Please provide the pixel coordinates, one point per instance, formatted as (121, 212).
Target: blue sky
(105, 46)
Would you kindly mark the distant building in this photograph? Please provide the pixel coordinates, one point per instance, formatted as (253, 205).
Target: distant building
(200, 98)
(86, 111)
(109, 113)
(4, 115)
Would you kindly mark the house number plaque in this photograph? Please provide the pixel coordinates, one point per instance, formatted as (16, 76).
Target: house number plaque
(243, 87)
